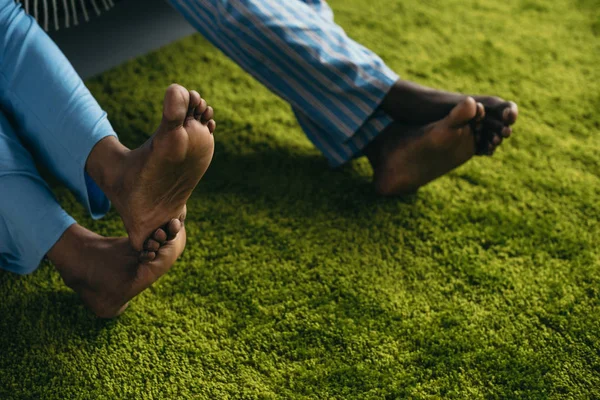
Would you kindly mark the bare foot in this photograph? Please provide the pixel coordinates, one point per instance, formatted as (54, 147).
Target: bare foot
(405, 158)
(150, 185)
(411, 103)
(106, 272)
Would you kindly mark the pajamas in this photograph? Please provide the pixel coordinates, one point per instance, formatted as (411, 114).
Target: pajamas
(294, 48)
(46, 112)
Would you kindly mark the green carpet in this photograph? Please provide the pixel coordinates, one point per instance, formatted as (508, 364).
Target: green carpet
(299, 282)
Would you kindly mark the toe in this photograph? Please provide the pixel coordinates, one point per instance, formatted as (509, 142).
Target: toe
(195, 101)
(147, 256)
(173, 228)
(505, 112)
(212, 125)
(151, 245)
(160, 236)
(493, 127)
(491, 136)
(480, 113)
(477, 122)
(506, 132)
(462, 113)
(175, 105)
(207, 115)
(200, 109)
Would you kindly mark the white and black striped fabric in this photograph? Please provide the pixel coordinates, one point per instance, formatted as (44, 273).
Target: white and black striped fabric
(54, 14)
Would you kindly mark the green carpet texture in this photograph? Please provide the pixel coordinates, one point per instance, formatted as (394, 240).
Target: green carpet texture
(298, 282)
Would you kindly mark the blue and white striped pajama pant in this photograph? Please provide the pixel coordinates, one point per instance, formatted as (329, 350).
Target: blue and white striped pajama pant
(293, 47)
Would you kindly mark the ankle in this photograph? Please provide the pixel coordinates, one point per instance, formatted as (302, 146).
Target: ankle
(105, 163)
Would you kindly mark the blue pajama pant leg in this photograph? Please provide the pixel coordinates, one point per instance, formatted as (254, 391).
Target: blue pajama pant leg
(55, 114)
(31, 221)
(56, 117)
(294, 48)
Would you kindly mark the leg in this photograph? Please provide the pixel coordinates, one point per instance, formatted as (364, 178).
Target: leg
(331, 81)
(105, 272)
(55, 114)
(411, 103)
(66, 129)
(343, 94)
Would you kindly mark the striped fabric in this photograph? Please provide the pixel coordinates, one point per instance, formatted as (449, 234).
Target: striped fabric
(64, 12)
(294, 48)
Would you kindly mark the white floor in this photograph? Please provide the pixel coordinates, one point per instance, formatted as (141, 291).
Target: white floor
(132, 28)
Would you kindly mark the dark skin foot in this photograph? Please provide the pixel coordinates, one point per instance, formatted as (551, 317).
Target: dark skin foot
(106, 272)
(413, 104)
(149, 186)
(406, 157)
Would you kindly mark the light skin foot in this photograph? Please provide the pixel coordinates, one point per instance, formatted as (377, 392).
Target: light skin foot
(149, 186)
(413, 104)
(106, 272)
(406, 157)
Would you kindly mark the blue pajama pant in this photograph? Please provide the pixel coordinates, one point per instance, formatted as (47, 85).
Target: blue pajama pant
(293, 47)
(46, 114)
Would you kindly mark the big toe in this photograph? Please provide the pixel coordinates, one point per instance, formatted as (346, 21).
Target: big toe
(462, 113)
(176, 105)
